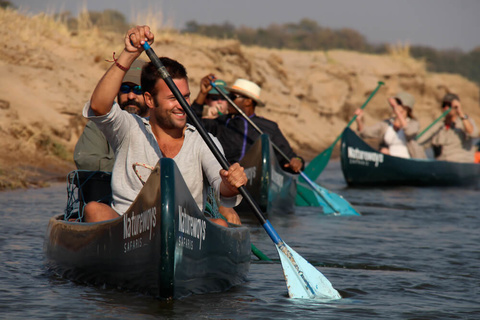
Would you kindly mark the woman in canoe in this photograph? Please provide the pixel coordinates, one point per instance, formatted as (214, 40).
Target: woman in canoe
(396, 134)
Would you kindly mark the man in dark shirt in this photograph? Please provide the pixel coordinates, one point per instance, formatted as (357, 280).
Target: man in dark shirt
(234, 132)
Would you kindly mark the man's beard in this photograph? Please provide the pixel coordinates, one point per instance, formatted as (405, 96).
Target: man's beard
(130, 105)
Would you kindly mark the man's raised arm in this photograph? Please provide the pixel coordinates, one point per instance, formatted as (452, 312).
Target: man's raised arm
(109, 85)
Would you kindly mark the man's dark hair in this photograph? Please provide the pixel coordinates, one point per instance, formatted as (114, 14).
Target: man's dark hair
(150, 74)
(448, 99)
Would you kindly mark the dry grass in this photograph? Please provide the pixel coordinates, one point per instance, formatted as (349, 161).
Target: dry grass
(31, 29)
(401, 50)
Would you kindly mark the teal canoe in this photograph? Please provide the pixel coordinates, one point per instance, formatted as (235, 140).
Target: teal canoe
(162, 246)
(272, 188)
(364, 166)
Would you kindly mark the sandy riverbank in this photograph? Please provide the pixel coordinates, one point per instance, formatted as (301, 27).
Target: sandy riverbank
(48, 73)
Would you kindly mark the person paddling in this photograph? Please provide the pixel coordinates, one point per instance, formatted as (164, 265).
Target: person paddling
(141, 142)
(234, 132)
(397, 133)
(454, 139)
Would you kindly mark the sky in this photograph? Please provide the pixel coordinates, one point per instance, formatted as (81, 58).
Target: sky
(441, 24)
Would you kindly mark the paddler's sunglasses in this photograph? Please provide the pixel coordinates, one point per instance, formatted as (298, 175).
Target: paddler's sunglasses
(126, 88)
(399, 102)
(216, 97)
(234, 96)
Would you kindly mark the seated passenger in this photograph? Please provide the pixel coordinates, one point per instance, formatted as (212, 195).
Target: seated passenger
(453, 140)
(213, 103)
(234, 132)
(92, 151)
(397, 133)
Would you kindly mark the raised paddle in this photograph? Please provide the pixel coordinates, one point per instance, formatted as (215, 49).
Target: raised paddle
(433, 123)
(331, 203)
(318, 164)
(303, 280)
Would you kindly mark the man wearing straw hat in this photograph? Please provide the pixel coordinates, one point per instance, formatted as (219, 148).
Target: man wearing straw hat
(234, 132)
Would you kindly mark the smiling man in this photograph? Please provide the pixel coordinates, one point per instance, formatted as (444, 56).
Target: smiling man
(139, 143)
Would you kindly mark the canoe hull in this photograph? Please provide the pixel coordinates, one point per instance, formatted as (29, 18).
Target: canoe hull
(272, 188)
(364, 166)
(162, 246)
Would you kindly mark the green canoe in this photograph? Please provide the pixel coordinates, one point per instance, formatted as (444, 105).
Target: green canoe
(364, 166)
(163, 245)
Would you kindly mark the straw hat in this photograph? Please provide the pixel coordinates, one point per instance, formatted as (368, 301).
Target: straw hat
(248, 89)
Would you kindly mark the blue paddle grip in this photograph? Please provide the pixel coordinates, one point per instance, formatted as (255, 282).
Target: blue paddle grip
(271, 232)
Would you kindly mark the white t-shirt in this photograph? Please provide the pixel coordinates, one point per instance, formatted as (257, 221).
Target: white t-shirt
(133, 141)
(396, 142)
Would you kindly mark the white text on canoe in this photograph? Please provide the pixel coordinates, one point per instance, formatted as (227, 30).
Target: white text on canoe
(356, 154)
(251, 173)
(134, 225)
(191, 226)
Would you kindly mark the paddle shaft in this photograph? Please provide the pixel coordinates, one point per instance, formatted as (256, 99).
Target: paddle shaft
(380, 83)
(208, 140)
(304, 176)
(435, 121)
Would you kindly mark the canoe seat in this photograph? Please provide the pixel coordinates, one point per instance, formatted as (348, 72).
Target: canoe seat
(84, 186)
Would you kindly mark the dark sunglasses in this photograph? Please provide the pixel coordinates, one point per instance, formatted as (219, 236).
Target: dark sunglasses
(126, 88)
(399, 102)
(216, 98)
(234, 96)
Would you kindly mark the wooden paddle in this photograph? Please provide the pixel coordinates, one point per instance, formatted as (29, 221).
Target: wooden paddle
(435, 121)
(303, 280)
(318, 164)
(331, 203)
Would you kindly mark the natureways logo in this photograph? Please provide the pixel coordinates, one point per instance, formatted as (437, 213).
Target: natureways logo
(251, 173)
(356, 154)
(192, 227)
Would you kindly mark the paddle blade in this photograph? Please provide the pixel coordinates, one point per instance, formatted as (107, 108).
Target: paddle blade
(306, 197)
(318, 164)
(304, 280)
(317, 196)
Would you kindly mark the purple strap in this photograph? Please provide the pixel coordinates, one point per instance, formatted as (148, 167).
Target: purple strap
(245, 132)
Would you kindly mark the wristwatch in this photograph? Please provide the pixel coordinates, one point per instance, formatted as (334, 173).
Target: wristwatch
(465, 117)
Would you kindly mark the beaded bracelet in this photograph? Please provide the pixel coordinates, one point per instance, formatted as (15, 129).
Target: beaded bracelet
(118, 64)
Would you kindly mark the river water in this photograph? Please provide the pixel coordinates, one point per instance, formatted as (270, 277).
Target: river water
(413, 254)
